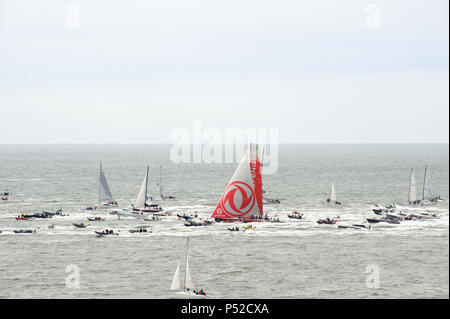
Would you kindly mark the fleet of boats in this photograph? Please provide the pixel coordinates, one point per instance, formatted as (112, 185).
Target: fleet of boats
(242, 201)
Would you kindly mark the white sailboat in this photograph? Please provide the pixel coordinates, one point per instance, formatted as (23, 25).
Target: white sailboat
(141, 205)
(163, 197)
(186, 287)
(332, 198)
(427, 194)
(412, 196)
(105, 198)
(265, 199)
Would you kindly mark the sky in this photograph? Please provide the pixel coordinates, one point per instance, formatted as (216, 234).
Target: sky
(133, 71)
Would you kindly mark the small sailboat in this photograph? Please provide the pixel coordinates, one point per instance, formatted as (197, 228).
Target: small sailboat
(266, 200)
(163, 197)
(242, 199)
(412, 196)
(185, 288)
(105, 198)
(427, 194)
(332, 198)
(141, 205)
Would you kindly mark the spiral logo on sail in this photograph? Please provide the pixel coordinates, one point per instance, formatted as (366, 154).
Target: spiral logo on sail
(238, 199)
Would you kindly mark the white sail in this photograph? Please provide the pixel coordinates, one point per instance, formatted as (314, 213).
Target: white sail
(332, 193)
(160, 182)
(188, 283)
(427, 194)
(412, 188)
(104, 191)
(176, 282)
(142, 197)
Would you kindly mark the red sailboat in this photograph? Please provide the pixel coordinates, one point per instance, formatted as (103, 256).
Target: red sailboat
(242, 199)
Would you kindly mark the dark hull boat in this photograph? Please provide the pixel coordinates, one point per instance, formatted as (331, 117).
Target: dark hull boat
(106, 233)
(24, 231)
(140, 205)
(327, 221)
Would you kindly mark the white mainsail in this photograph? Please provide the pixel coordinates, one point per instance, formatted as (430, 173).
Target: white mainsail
(412, 188)
(188, 283)
(176, 282)
(332, 193)
(160, 182)
(142, 197)
(104, 193)
(427, 194)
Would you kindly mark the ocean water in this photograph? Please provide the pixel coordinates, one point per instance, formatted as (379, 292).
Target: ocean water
(293, 259)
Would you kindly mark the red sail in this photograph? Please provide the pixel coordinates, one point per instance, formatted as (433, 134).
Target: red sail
(257, 182)
(243, 195)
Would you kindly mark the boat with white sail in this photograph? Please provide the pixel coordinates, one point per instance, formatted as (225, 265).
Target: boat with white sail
(332, 198)
(412, 195)
(186, 287)
(427, 193)
(105, 198)
(242, 199)
(141, 205)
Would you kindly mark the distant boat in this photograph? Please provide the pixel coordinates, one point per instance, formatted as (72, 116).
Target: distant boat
(163, 197)
(266, 200)
(105, 198)
(242, 199)
(4, 195)
(141, 205)
(427, 194)
(412, 196)
(184, 287)
(332, 198)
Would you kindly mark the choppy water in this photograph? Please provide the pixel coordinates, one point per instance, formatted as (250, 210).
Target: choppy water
(295, 259)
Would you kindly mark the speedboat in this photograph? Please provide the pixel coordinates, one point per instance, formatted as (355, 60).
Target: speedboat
(140, 230)
(80, 225)
(328, 221)
(106, 232)
(93, 219)
(24, 231)
(249, 227)
(296, 215)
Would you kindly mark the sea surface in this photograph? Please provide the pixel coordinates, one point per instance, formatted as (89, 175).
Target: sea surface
(293, 259)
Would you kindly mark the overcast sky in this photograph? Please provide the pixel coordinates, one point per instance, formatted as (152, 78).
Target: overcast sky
(130, 71)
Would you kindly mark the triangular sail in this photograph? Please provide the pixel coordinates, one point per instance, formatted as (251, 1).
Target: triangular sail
(160, 182)
(176, 282)
(243, 195)
(332, 193)
(188, 283)
(104, 191)
(412, 188)
(427, 194)
(142, 197)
